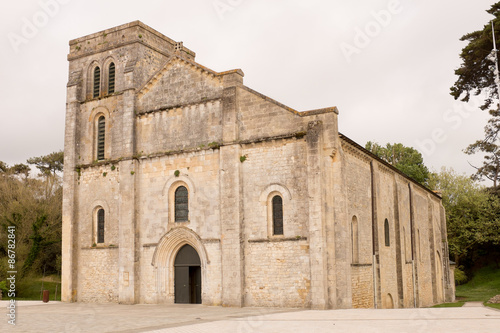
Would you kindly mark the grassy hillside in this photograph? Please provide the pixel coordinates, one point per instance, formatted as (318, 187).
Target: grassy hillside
(484, 285)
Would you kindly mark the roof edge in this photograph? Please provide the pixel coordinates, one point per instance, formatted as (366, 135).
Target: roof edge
(390, 166)
(298, 113)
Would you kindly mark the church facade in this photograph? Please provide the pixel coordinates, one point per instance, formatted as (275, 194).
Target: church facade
(183, 185)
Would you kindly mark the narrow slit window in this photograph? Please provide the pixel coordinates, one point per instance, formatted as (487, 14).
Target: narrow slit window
(100, 226)
(181, 204)
(97, 82)
(354, 240)
(111, 78)
(101, 136)
(386, 233)
(277, 203)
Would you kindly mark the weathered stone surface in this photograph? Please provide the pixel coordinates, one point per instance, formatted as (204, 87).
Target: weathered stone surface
(171, 122)
(494, 299)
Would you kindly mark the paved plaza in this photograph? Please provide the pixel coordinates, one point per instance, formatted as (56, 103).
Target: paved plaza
(38, 317)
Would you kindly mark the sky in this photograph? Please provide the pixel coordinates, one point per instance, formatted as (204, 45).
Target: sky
(386, 65)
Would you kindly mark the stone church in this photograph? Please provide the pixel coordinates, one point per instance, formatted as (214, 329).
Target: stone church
(183, 185)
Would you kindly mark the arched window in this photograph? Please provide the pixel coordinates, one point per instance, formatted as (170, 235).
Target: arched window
(97, 82)
(101, 136)
(111, 78)
(354, 240)
(181, 204)
(386, 233)
(100, 226)
(277, 203)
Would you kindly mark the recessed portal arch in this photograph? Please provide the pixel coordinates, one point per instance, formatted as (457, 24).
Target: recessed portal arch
(165, 257)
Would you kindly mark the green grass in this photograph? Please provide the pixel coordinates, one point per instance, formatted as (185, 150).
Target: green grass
(484, 285)
(30, 289)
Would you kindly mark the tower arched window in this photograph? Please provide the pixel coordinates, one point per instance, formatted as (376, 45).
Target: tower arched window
(101, 137)
(111, 78)
(97, 82)
(181, 204)
(100, 226)
(277, 203)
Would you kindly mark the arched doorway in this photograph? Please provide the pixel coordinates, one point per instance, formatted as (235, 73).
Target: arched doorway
(187, 281)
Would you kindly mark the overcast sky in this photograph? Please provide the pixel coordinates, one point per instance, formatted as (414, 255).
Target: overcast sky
(386, 65)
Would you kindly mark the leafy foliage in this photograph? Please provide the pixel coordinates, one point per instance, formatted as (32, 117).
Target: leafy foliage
(406, 159)
(476, 74)
(472, 214)
(49, 164)
(460, 277)
(33, 205)
(491, 164)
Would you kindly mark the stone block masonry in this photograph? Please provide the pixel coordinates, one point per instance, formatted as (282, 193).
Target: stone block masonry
(183, 185)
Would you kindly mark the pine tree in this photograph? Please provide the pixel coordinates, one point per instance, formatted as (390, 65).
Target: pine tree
(477, 76)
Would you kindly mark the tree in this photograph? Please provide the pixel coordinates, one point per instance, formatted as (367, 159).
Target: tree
(491, 164)
(20, 169)
(406, 159)
(476, 73)
(3, 167)
(477, 76)
(49, 166)
(472, 214)
(33, 205)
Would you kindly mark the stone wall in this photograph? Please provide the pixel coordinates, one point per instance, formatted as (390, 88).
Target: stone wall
(362, 286)
(278, 273)
(98, 275)
(268, 169)
(412, 264)
(179, 82)
(182, 128)
(172, 122)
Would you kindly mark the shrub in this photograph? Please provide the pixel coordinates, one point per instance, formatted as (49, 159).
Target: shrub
(3, 288)
(460, 277)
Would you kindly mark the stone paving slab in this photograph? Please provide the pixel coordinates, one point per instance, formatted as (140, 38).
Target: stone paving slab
(473, 304)
(188, 318)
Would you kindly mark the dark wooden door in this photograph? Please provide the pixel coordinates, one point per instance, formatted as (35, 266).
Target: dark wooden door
(195, 284)
(182, 292)
(187, 278)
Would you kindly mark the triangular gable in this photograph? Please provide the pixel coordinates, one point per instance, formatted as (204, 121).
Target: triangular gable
(179, 82)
